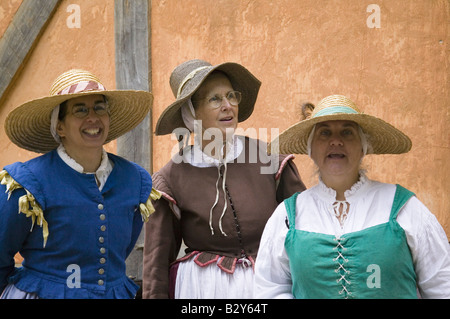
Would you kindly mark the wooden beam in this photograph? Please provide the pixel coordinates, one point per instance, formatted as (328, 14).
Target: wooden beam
(133, 71)
(20, 38)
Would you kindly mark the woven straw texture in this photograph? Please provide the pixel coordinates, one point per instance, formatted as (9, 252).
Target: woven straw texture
(384, 138)
(241, 80)
(28, 126)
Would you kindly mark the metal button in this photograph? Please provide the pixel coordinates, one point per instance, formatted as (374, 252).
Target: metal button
(102, 216)
(102, 260)
(101, 271)
(100, 206)
(100, 282)
(102, 227)
(101, 240)
(102, 250)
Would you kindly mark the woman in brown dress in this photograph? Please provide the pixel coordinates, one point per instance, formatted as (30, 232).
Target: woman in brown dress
(217, 194)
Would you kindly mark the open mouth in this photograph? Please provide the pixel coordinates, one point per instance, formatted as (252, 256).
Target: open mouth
(92, 131)
(226, 119)
(336, 155)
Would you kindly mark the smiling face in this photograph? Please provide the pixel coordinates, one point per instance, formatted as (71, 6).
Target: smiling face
(337, 150)
(223, 117)
(85, 133)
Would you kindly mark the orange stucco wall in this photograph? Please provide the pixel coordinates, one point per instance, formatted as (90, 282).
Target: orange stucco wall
(301, 50)
(306, 50)
(59, 49)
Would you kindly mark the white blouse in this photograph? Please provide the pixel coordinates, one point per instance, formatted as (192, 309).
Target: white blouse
(369, 204)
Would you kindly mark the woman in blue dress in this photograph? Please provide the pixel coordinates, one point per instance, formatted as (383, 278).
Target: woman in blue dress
(74, 213)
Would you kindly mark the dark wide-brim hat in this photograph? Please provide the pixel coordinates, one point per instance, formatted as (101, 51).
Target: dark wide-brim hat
(28, 126)
(189, 76)
(383, 137)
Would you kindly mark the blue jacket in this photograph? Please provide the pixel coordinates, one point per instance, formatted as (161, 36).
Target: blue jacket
(91, 233)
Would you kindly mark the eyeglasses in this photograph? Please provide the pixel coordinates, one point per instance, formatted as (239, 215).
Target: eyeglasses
(233, 97)
(81, 111)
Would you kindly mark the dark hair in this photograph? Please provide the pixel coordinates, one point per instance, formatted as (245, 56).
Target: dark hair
(62, 110)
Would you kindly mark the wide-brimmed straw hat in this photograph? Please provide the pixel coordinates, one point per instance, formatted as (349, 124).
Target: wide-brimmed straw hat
(187, 78)
(383, 137)
(28, 126)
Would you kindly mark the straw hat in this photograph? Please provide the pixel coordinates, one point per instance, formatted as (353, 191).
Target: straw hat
(384, 138)
(28, 126)
(187, 78)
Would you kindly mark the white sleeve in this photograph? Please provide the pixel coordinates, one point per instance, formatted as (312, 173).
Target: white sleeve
(272, 273)
(429, 248)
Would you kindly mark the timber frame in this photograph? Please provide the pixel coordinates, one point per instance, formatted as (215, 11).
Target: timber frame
(21, 37)
(132, 68)
(133, 71)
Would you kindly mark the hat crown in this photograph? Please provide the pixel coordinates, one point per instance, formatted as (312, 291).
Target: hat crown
(334, 104)
(70, 78)
(181, 73)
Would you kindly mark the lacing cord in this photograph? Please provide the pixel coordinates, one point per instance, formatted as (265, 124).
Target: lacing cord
(341, 216)
(244, 260)
(340, 211)
(341, 270)
(224, 163)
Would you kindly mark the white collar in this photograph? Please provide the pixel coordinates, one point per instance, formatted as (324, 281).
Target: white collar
(102, 172)
(195, 156)
(330, 194)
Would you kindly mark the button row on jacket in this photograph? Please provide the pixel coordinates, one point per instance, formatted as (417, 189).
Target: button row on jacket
(101, 239)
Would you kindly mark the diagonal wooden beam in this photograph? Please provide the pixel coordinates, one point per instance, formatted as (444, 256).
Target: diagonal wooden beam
(21, 37)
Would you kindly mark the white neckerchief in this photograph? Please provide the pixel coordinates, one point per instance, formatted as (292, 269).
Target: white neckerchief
(101, 174)
(194, 155)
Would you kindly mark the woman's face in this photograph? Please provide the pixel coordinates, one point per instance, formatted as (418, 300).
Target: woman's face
(224, 117)
(82, 128)
(336, 149)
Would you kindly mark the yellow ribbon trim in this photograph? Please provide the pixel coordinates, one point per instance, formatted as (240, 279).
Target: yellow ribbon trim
(147, 209)
(27, 204)
(37, 215)
(11, 184)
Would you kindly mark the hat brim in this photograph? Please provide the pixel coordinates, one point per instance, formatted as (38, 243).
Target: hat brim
(384, 138)
(28, 126)
(241, 80)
